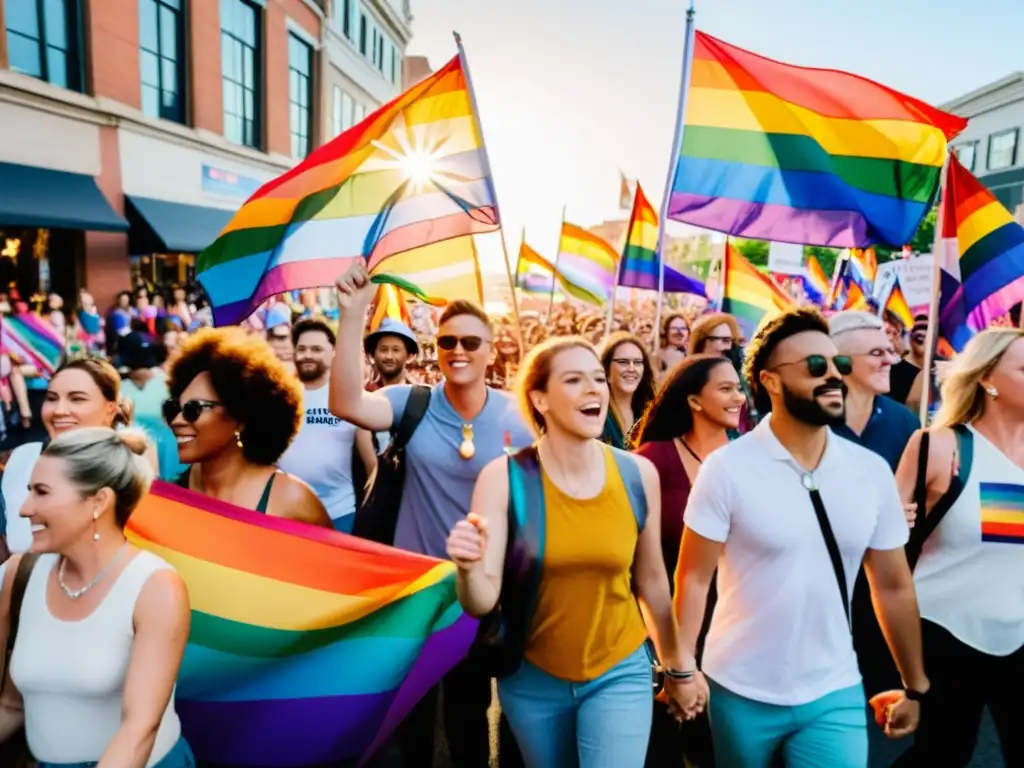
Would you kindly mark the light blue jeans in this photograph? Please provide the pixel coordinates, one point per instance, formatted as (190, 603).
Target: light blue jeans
(831, 731)
(180, 756)
(604, 723)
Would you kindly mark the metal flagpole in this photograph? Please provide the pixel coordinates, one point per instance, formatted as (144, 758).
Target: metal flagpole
(938, 248)
(554, 277)
(494, 192)
(684, 87)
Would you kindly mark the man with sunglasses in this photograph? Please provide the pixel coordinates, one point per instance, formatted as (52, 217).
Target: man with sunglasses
(784, 513)
(466, 425)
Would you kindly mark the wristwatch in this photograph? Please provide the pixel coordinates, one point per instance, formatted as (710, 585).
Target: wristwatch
(914, 695)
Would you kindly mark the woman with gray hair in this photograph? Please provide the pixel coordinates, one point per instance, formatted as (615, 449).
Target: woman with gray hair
(102, 626)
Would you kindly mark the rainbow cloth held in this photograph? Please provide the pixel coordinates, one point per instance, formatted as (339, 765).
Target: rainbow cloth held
(33, 340)
(413, 173)
(797, 155)
(307, 646)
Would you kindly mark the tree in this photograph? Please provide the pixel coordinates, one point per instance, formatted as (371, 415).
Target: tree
(755, 251)
(922, 242)
(826, 257)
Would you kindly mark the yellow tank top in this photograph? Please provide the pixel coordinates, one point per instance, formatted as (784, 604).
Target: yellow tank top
(586, 619)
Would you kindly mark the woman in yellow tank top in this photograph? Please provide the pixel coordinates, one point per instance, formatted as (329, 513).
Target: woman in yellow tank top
(582, 693)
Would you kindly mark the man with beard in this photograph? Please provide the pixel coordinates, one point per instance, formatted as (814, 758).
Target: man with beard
(390, 347)
(784, 513)
(321, 453)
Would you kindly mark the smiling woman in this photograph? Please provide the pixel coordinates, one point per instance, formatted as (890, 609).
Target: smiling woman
(631, 380)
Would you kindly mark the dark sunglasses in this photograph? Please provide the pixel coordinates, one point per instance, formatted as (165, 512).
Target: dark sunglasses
(190, 411)
(469, 343)
(817, 365)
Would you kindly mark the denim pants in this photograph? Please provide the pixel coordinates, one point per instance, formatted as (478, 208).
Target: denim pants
(830, 731)
(180, 756)
(604, 723)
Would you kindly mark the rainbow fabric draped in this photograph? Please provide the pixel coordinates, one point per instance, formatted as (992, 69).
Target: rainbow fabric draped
(388, 304)
(33, 340)
(809, 156)
(816, 283)
(413, 173)
(982, 257)
(749, 296)
(586, 266)
(307, 646)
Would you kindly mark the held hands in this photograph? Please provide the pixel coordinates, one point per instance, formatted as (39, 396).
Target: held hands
(685, 698)
(467, 542)
(895, 714)
(355, 291)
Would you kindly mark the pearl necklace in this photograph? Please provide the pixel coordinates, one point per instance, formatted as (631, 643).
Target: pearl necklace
(75, 594)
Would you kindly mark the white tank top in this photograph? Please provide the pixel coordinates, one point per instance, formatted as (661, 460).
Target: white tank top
(71, 674)
(970, 577)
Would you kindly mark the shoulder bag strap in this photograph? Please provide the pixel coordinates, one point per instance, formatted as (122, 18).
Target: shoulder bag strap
(415, 408)
(629, 471)
(833, 550)
(921, 483)
(25, 566)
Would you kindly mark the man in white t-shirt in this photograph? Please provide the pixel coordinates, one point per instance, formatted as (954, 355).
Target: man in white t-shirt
(322, 452)
(779, 656)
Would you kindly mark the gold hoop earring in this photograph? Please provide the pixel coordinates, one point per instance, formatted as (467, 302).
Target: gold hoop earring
(238, 439)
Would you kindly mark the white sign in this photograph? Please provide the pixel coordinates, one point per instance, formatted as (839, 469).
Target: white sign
(786, 259)
(915, 276)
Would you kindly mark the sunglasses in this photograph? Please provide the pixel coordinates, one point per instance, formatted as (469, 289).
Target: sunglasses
(469, 343)
(190, 411)
(817, 365)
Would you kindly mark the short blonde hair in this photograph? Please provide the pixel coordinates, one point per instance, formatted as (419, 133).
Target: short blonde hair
(962, 398)
(535, 371)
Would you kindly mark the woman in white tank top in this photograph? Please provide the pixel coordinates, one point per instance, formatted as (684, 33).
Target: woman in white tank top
(970, 576)
(103, 625)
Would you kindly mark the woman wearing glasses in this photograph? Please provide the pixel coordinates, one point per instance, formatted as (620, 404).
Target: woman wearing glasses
(631, 383)
(234, 409)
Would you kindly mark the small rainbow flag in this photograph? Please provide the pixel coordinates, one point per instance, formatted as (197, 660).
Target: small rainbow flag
(1002, 513)
(982, 257)
(641, 261)
(855, 299)
(33, 340)
(414, 172)
(897, 304)
(749, 296)
(797, 155)
(586, 266)
(816, 282)
(863, 268)
(307, 646)
(534, 273)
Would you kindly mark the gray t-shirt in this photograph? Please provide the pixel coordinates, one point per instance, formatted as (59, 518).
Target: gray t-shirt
(438, 482)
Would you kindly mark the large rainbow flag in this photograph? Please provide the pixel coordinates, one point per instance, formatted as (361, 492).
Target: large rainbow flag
(586, 266)
(982, 257)
(749, 296)
(414, 172)
(798, 155)
(307, 646)
(33, 341)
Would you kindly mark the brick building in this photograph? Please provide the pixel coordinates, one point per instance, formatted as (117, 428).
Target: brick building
(131, 130)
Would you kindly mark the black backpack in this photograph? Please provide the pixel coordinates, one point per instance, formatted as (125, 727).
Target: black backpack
(377, 515)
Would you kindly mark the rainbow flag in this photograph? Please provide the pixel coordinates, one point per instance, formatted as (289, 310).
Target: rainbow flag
(641, 261)
(897, 304)
(388, 304)
(586, 266)
(307, 646)
(863, 268)
(982, 257)
(749, 296)
(33, 340)
(443, 271)
(413, 173)
(534, 273)
(1002, 513)
(797, 155)
(816, 282)
(855, 299)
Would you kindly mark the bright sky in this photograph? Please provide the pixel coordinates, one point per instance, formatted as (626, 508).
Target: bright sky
(571, 91)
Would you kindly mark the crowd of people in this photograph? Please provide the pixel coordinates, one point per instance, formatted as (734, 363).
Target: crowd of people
(695, 547)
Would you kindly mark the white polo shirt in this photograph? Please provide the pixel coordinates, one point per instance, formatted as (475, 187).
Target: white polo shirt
(779, 634)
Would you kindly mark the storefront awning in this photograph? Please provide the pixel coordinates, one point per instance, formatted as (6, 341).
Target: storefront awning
(41, 197)
(159, 226)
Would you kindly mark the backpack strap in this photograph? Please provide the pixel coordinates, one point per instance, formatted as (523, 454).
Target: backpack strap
(629, 471)
(415, 409)
(21, 576)
(527, 513)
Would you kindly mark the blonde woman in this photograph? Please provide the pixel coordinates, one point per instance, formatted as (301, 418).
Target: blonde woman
(970, 575)
(103, 625)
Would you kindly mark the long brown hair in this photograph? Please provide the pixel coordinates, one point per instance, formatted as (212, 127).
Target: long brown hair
(644, 393)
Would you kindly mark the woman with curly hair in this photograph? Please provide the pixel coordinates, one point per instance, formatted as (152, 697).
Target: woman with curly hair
(234, 408)
(631, 382)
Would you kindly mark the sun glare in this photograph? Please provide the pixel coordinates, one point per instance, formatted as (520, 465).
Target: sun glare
(418, 167)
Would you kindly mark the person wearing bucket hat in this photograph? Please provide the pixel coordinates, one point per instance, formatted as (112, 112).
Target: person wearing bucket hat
(278, 327)
(390, 348)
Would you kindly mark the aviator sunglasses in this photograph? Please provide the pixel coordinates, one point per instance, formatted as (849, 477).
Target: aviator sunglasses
(469, 343)
(817, 365)
(190, 411)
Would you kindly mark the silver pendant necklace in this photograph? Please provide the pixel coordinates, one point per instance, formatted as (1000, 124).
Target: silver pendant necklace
(75, 594)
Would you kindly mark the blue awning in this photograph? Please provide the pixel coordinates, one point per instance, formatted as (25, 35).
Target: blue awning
(159, 226)
(41, 197)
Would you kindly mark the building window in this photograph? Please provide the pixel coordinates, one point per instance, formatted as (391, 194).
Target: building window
(394, 66)
(161, 56)
(240, 48)
(1002, 150)
(358, 113)
(43, 40)
(342, 111)
(362, 33)
(300, 94)
(343, 17)
(967, 154)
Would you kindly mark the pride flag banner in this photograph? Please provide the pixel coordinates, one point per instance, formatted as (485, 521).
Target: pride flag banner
(534, 273)
(897, 304)
(307, 646)
(586, 266)
(816, 282)
(982, 257)
(33, 340)
(809, 156)
(413, 173)
(749, 296)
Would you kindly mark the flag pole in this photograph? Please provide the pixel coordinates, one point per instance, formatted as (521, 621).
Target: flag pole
(494, 193)
(554, 277)
(684, 87)
(938, 247)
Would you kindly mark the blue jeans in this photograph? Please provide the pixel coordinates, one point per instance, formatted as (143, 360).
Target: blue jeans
(604, 723)
(830, 731)
(180, 756)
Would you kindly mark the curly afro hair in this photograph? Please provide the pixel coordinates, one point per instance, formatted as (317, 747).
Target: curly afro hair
(254, 386)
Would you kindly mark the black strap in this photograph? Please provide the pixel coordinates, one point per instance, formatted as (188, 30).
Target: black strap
(25, 566)
(415, 408)
(921, 483)
(261, 505)
(833, 551)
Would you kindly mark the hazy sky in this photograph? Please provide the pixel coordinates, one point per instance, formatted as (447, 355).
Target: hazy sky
(570, 91)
